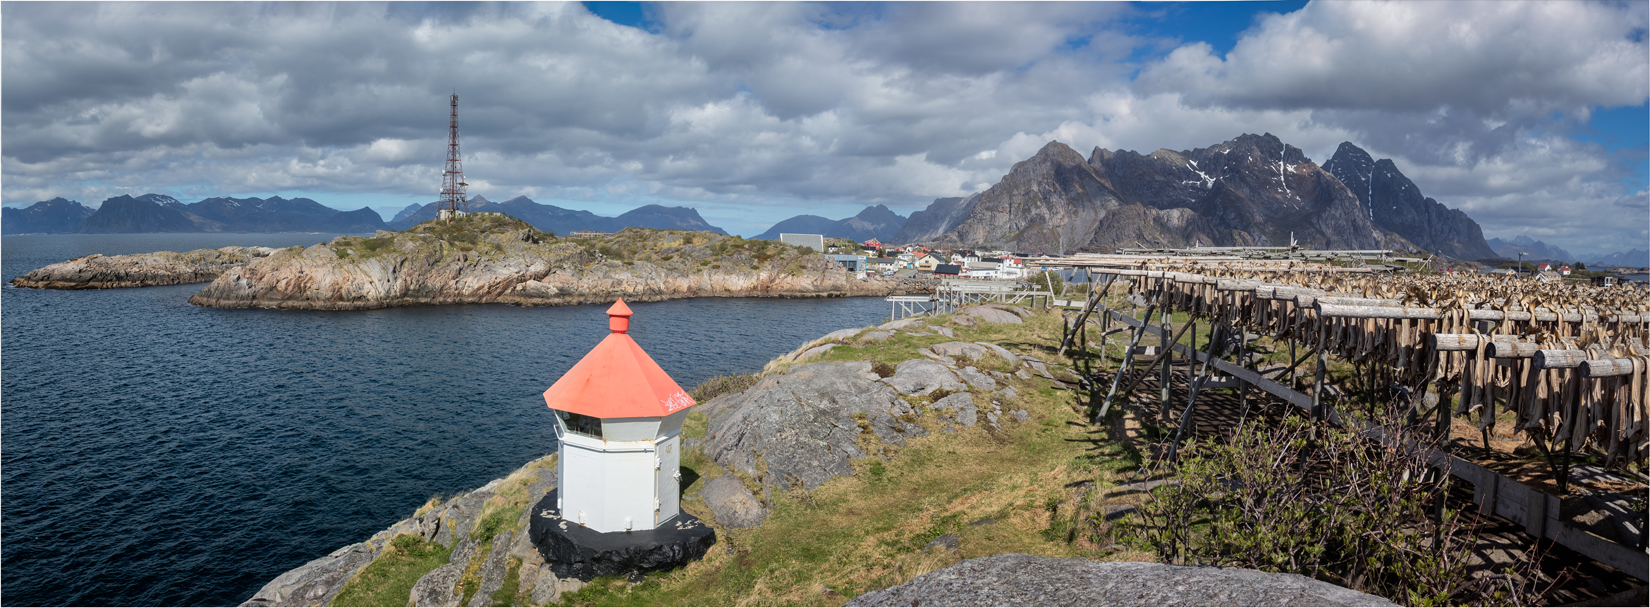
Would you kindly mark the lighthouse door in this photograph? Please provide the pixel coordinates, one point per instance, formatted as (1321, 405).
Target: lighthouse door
(666, 474)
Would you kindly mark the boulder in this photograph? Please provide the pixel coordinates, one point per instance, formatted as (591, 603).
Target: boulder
(1001, 352)
(493, 570)
(815, 351)
(944, 542)
(921, 376)
(945, 331)
(460, 515)
(801, 425)
(436, 588)
(901, 324)
(733, 503)
(1008, 393)
(1017, 579)
(989, 314)
(979, 380)
(947, 361)
(546, 588)
(317, 582)
(962, 407)
(843, 334)
(959, 349)
(879, 336)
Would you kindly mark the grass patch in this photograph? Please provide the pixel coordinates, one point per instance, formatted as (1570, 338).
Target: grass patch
(389, 580)
(722, 385)
(856, 534)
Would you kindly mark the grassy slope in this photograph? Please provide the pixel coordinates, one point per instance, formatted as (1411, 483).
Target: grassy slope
(1040, 480)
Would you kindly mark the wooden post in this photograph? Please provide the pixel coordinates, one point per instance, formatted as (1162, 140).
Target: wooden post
(1194, 384)
(1323, 367)
(1128, 359)
(1165, 376)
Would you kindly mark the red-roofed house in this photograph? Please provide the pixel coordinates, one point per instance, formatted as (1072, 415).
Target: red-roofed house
(619, 420)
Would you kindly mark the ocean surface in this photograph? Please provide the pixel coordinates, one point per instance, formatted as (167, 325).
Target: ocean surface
(158, 453)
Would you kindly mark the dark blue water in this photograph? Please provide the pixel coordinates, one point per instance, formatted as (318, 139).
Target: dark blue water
(158, 453)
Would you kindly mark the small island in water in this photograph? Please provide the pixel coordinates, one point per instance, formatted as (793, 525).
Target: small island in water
(478, 259)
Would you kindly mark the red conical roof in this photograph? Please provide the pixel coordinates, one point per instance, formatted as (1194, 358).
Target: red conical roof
(617, 379)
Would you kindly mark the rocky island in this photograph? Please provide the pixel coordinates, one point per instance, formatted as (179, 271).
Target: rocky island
(481, 258)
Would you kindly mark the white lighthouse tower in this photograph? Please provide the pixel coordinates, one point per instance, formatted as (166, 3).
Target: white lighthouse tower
(619, 420)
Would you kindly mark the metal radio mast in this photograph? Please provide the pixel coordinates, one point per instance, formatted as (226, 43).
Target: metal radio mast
(453, 203)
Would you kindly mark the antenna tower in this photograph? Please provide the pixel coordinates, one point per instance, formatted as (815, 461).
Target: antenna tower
(453, 202)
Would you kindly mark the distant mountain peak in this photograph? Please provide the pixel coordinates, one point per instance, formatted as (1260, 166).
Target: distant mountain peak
(873, 222)
(1396, 204)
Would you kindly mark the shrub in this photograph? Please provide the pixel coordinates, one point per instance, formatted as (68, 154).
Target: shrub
(722, 385)
(1330, 504)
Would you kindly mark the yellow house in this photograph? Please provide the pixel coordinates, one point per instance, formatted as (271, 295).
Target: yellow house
(928, 262)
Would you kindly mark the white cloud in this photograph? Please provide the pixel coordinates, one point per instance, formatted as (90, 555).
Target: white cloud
(758, 111)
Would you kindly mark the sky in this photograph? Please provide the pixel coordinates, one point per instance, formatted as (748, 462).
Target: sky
(1531, 117)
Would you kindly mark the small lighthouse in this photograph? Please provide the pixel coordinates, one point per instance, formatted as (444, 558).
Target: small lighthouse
(619, 420)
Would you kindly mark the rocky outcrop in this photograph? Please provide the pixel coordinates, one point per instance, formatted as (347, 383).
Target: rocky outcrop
(450, 523)
(141, 270)
(491, 258)
(733, 504)
(802, 427)
(1252, 190)
(1017, 579)
(1395, 204)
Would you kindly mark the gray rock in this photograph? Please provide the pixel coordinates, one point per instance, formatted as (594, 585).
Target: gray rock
(945, 331)
(460, 515)
(1021, 415)
(802, 425)
(1116, 512)
(546, 588)
(843, 334)
(984, 522)
(1021, 374)
(493, 570)
(1017, 579)
(1001, 352)
(963, 404)
(317, 582)
(879, 336)
(733, 503)
(1008, 392)
(927, 352)
(948, 542)
(990, 315)
(959, 349)
(974, 377)
(991, 417)
(464, 553)
(436, 588)
(901, 324)
(921, 376)
(815, 351)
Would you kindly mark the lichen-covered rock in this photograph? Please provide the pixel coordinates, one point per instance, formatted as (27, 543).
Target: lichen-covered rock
(436, 588)
(800, 428)
(959, 349)
(977, 379)
(492, 571)
(734, 505)
(1017, 579)
(921, 376)
(989, 314)
(1001, 352)
(961, 407)
(317, 582)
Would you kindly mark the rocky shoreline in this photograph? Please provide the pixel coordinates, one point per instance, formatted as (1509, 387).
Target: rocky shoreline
(481, 259)
(808, 421)
(98, 271)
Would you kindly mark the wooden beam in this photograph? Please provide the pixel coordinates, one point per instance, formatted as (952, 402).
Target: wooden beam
(1559, 359)
(1604, 368)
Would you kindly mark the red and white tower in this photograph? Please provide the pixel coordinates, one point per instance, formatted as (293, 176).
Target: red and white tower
(619, 420)
(453, 203)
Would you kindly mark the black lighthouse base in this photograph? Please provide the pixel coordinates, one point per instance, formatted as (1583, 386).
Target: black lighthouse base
(574, 551)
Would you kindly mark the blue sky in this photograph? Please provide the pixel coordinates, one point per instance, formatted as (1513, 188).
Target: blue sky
(1529, 116)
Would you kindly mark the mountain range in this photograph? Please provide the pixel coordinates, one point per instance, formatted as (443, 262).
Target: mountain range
(1253, 190)
(551, 218)
(1534, 250)
(150, 213)
(875, 222)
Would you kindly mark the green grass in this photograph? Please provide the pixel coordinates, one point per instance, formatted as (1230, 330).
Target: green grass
(389, 580)
(866, 532)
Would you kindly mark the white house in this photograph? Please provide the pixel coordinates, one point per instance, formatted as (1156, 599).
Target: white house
(619, 420)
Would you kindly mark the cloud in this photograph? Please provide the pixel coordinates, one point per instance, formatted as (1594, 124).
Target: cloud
(758, 111)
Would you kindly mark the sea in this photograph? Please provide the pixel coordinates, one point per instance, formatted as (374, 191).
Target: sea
(153, 452)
